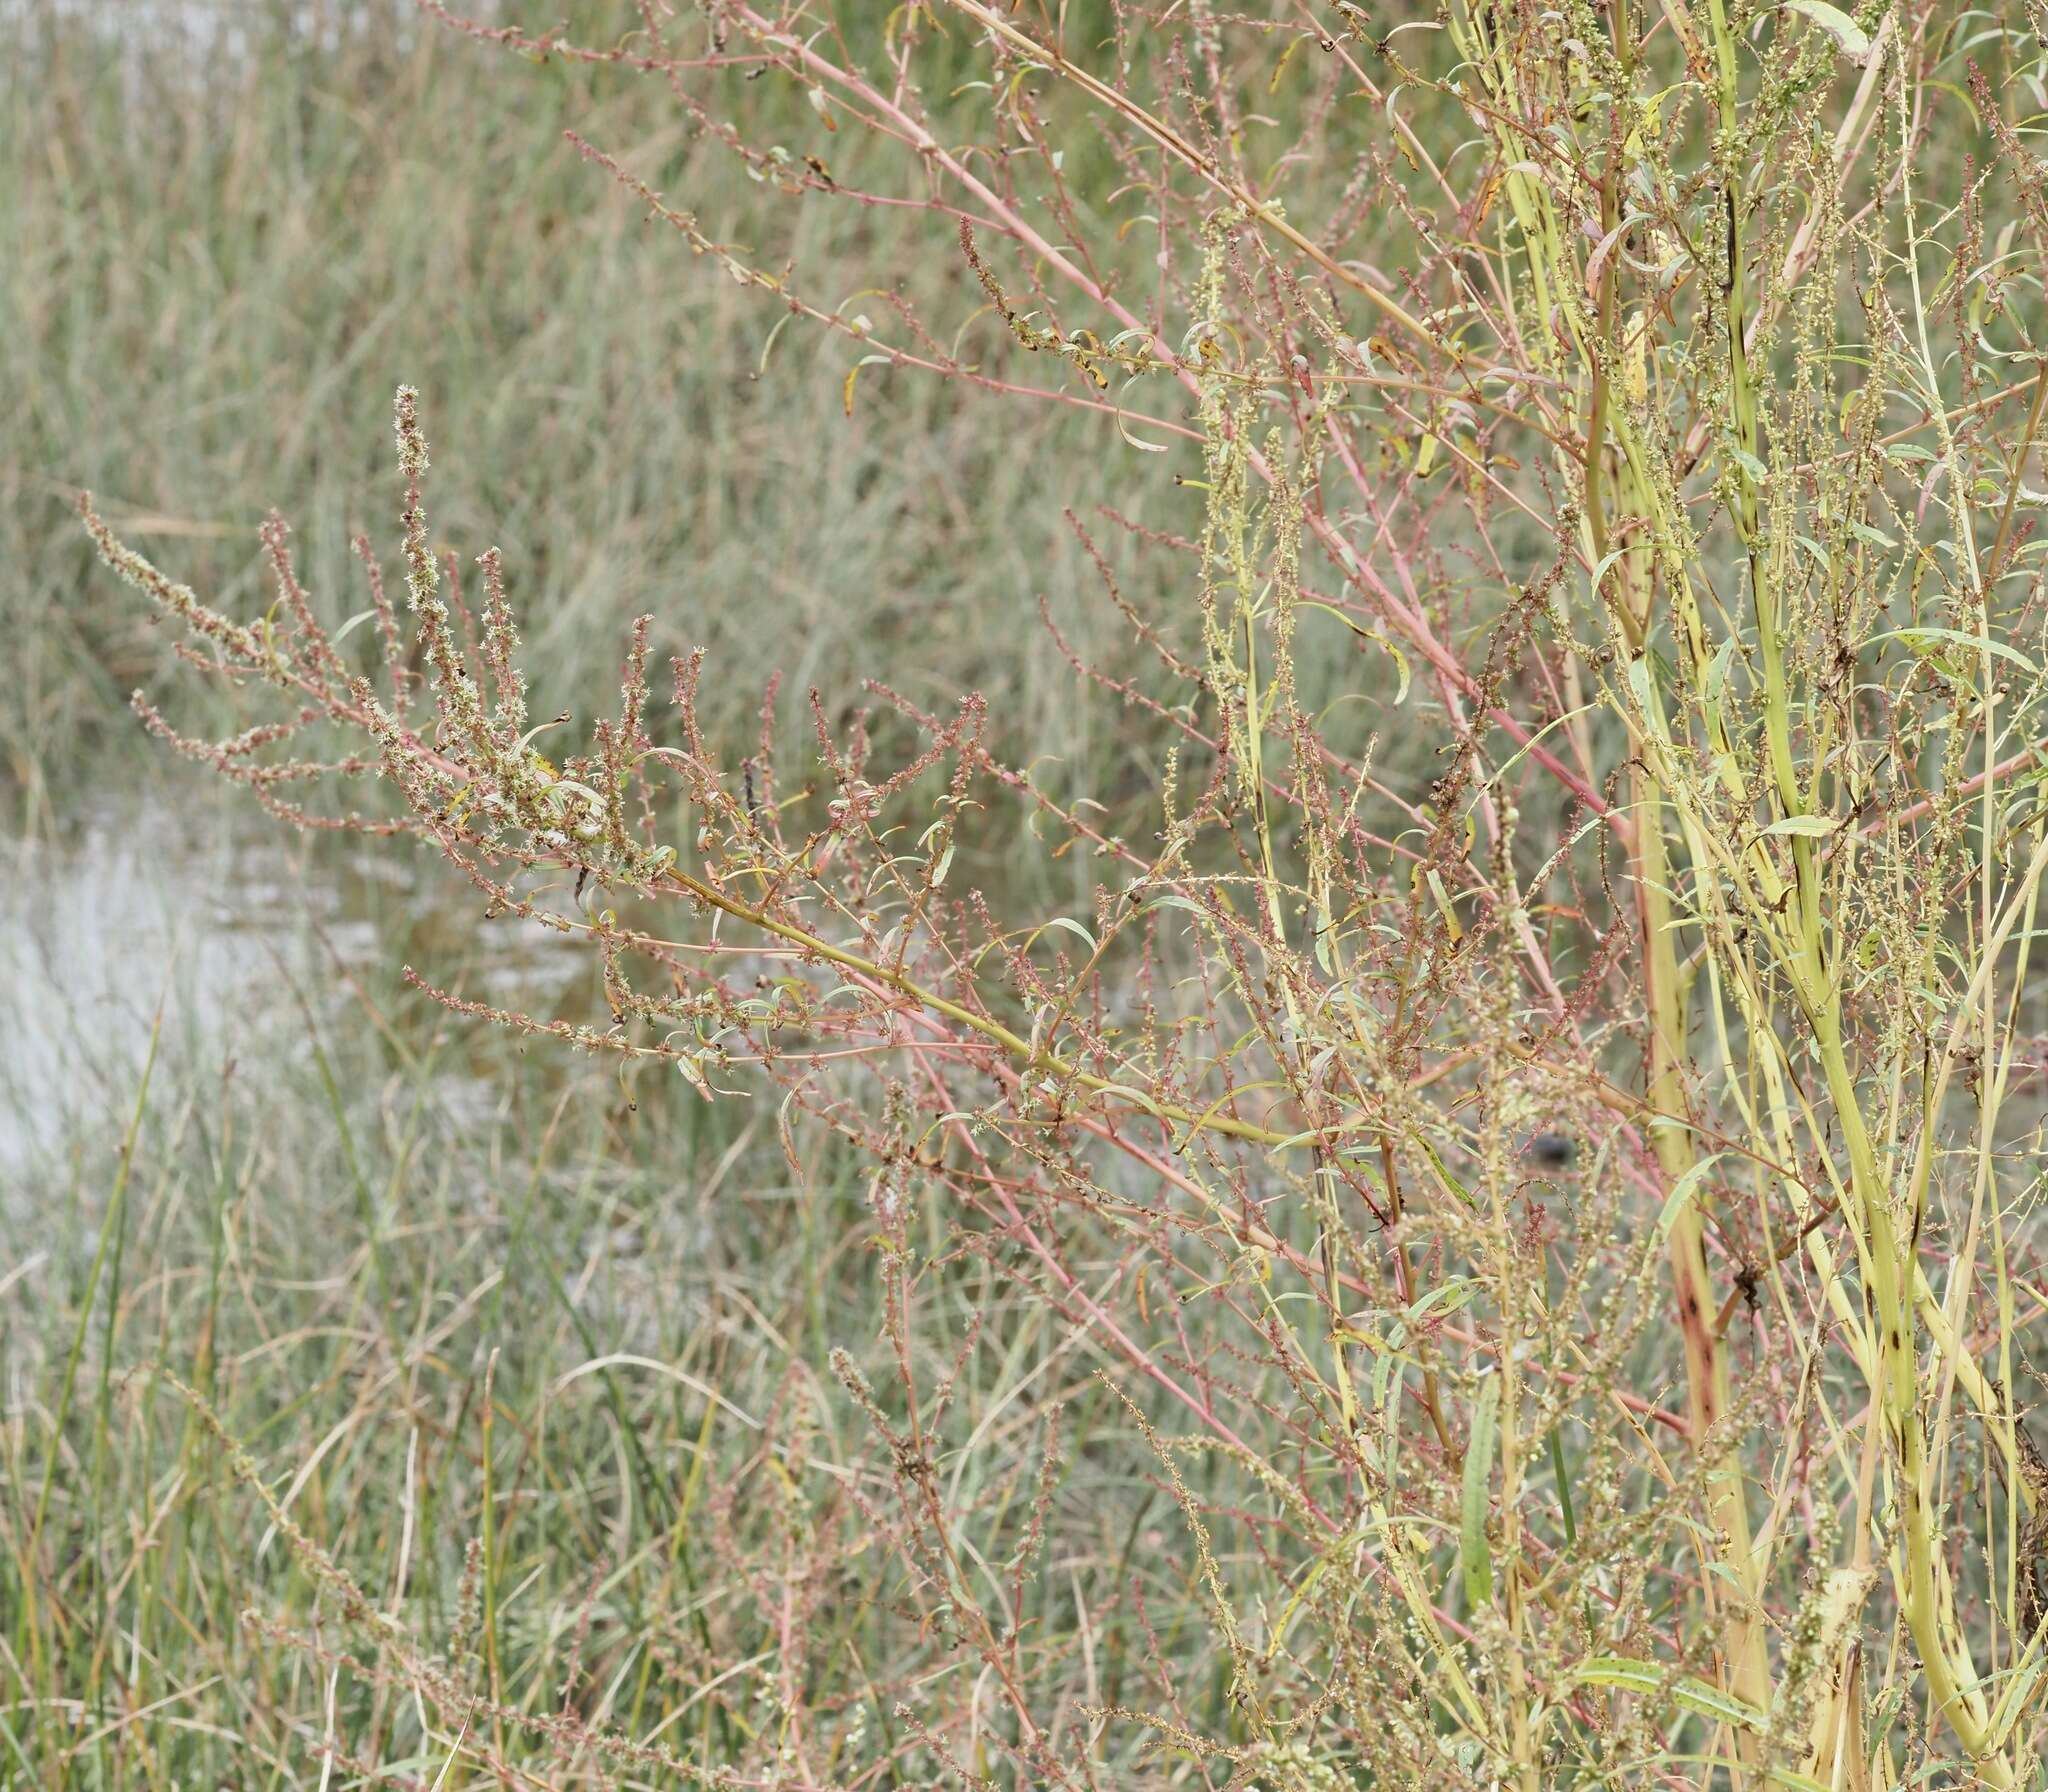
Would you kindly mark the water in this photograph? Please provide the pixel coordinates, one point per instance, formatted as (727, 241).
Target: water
(227, 27)
(245, 935)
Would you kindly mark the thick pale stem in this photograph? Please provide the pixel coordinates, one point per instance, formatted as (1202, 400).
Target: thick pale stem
(1706, 1363)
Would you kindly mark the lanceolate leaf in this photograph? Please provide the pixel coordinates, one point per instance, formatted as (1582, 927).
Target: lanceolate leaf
(1855, 41)
(1475, 1554)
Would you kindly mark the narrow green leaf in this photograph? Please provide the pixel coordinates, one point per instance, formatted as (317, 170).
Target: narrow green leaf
(1074, 927)
(1689, 1694)
(1921, 639)
(1475, 1554)
(1717, 669)
(1855, 41)
(1564, 1488)
(1748, 462)
(1450, 1183)
(1681, 1193)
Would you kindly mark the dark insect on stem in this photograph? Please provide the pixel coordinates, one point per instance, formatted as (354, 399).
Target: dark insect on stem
(1746, 1279)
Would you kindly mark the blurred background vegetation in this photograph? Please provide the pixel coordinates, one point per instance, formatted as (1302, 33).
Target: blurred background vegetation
(232, 228)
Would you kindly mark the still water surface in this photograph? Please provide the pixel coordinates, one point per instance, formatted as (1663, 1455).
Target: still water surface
(244, 933)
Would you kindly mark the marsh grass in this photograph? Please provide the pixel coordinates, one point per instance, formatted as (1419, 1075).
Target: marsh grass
(505, 1244)
(212, 255)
